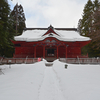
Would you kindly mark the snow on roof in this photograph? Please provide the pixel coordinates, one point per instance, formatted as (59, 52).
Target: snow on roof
(63, 35)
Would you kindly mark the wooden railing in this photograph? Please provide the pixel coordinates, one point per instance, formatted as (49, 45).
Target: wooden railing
(18, 60)
(80, 60)
(66, 60)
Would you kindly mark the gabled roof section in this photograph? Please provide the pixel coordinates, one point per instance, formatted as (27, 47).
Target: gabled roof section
(50, 30)
(62, 34)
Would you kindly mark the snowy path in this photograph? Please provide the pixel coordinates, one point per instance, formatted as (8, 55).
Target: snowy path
(50, 88)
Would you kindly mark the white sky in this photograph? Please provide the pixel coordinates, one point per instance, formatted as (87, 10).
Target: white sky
(59, 13)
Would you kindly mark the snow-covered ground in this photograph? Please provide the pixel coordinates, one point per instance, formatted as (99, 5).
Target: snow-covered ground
(38, 82)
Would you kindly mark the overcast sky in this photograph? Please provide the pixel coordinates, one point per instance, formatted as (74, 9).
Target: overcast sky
(58, 13)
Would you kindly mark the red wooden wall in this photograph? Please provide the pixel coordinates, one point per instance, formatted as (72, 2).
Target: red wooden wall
(39, 51)
(27, 49)
(61, 52)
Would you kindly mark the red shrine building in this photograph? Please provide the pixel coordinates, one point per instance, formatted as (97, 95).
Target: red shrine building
(49, 43)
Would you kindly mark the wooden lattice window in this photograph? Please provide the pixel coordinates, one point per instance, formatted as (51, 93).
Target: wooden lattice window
(47, 41)
(53, 41)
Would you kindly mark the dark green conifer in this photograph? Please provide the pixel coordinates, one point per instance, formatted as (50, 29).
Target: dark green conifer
(91, 27)
(87, 18)
(6, 32)
(79, 26)
(96, 5)
(4, 12)
(19, 19)
(95, 30)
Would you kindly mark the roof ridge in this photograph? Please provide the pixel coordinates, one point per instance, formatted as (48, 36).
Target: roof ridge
(69, 29)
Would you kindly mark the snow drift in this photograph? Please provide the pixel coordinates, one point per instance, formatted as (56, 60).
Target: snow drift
(38, 82)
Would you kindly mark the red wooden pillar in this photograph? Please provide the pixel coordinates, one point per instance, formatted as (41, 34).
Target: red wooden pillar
(35, 52)
(66, 51)
(57, 52)
(43, 51)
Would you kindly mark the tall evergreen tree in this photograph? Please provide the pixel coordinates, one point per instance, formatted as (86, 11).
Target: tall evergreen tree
(90, 26)
(94, 46)
(79, 26)
(4, 12)
(95, 30)
(6, 33)
(87, 18)
(19, 19)
(96, 5)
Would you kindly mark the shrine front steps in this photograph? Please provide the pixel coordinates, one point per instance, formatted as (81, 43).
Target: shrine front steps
(50, 59)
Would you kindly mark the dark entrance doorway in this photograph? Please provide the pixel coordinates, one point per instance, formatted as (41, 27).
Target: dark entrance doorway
(50, 52)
